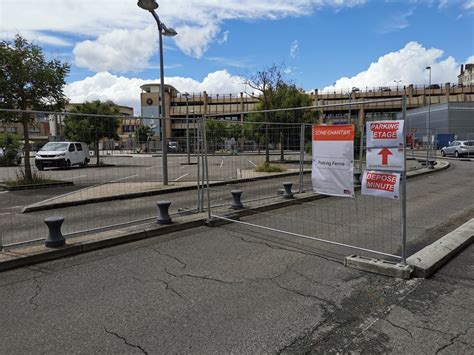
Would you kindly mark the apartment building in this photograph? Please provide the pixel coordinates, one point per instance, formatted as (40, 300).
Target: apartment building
(466, 76)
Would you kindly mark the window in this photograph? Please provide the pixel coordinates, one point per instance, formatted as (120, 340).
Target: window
(34, 130)
(78, 147)
(71, 148)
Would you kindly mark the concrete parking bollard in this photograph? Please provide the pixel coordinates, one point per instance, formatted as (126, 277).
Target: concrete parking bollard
(55, 237)
(237, 203)
(163, 216)
(288, 193)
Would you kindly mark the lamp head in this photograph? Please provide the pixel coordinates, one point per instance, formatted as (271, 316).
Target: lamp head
(148, 5)
(428, 68)
(168, 32)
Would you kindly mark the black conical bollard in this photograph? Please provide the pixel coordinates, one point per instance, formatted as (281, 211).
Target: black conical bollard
(55, 237)
(288, 193)
(237, 203)
(163, 216)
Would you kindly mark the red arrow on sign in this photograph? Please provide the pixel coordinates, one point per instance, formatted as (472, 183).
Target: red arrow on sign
(385, 152)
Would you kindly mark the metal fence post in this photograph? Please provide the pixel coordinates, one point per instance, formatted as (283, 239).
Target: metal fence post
(206, 167)
(198, 153)
(301, 189)
(404, 187)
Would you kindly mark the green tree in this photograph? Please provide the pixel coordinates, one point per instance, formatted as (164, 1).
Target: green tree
(91, 129)
(143, 133)
(10, 146)
(275, 93)
(216, 133)
(29, 82)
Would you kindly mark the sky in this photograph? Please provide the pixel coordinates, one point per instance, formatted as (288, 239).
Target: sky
(112, 46)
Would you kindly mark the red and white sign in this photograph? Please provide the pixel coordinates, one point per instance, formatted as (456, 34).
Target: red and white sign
(391, 159)
(376, 183)
(333, 160)
(385, 134)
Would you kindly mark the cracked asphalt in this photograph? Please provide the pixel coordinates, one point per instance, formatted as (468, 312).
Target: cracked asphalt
(232, 289)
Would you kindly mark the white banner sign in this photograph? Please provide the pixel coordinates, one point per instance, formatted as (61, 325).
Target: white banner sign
(377, 183)
(391, 159)
(333, 160)
(385, 134)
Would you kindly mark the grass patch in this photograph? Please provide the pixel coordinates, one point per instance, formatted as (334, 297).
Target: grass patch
(269, 168)
(37, 179)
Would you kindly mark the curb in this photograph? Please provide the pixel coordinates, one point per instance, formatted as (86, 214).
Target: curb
(36, 186)
(52, 206)
(39, 253)
(431, 258)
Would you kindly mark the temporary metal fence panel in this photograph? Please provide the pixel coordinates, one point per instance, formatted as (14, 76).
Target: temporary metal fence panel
(371, 225)
(118, 187)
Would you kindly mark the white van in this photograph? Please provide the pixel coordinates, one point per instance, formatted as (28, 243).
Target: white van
(62, 155)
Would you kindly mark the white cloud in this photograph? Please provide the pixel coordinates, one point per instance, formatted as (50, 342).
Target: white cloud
(408, 64)
(469, 4)
(294, 49)
(119, 50)
(126, 91)
(198, 22)
(470, 60)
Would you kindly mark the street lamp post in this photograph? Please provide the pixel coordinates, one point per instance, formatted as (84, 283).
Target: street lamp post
(397, 82)
(428, 123)
(151, 6)
(186, 94)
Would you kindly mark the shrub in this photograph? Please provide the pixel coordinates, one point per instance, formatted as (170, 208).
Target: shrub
(269, 168)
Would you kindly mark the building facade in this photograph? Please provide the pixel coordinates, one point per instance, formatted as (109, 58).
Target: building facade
(336, 107)
(466, 76)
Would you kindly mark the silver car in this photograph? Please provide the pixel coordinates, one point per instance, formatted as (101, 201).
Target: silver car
(459, 149)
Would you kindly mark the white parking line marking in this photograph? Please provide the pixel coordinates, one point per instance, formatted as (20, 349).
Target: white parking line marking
(222, 163)
(124, 178)
(3, 192)
(251, 162)
(152, 167)
(182, 176)
(75, 177)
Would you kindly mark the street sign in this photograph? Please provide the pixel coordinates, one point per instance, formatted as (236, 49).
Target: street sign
(385, 134)
(376, 183)
(391, 159)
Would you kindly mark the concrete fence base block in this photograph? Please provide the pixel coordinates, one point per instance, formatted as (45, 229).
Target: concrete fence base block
(377, 266)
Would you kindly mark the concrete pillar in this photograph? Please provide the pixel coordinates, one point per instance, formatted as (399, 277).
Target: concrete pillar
(361, 116)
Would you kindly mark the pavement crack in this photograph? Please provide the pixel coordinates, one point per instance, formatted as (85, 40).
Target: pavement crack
(125, 340)
(287, 348)
(451, 341)
(165, 283)
(398, 327)
(272, 246)
(32, 299)
(302, 294)
(183, 264)
(201, 277)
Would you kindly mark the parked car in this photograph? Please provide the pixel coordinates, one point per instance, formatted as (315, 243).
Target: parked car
(433, 86)
(62, 155)
(15, 158)
(173, 147)
(385, 88)
(459, 148)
